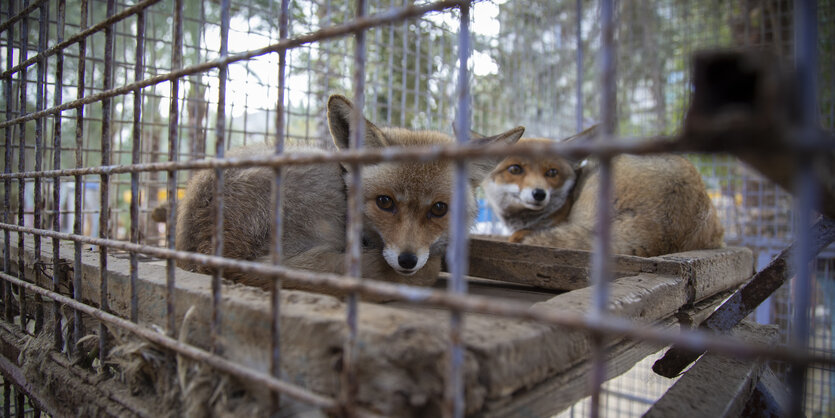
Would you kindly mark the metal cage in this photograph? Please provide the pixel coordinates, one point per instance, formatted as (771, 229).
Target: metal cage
(110, 106)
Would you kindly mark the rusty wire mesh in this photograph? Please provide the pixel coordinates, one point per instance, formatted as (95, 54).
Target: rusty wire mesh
(121, 102)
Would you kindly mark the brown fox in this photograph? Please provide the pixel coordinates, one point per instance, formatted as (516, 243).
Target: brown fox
(660, 205)
(404, 212)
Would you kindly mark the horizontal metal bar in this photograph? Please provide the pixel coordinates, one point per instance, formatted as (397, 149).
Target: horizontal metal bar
(104, 24)
(375, 155)
(626, 145)
(394, 15)
(604, 325)
(187, 350)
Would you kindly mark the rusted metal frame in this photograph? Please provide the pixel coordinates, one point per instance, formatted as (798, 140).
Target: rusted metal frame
(104, 200)
(220, 144)
(416, 47)
(215, 361)
(103, 25)
(805, 60)
(601, 268)
(7, 182)
(20, 402)
(457, 253)
(377, 155)
(58, 336)
(173, 155)
(40, 125)
(136, 146)
(338, 31)
(353, 234)
(21, 164)
(277, 251)
(743, 302)
(78, 324)
(693, 340)
(404, 68)
(23, 13)
(579, 46)
(354, 226)
(7, 396)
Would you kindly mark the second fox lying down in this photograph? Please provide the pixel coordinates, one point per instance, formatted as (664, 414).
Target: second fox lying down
(660, 205)
(405, 226)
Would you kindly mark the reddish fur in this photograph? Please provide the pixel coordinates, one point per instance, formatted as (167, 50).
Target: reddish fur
(660, 206)
(315, 205)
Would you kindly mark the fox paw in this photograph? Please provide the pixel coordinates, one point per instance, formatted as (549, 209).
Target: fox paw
(519, 235)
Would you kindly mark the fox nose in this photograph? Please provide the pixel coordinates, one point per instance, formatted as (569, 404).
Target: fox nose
(407, 260)
(539, 195)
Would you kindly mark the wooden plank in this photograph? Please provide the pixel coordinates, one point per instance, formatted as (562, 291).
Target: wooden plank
(716, 386)
(566, 388)
(771, 398)
(707, 270)
(550, 268)
(401, 362)
(59, 391)
(561, 269)
(748, 297)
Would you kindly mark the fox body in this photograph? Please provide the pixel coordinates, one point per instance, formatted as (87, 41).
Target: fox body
(404, 208)
(660, 205)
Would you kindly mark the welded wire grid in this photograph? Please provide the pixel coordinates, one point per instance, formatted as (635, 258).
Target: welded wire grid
(407, 71)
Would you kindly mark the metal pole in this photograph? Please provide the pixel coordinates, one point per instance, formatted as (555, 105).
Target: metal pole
(457, 251)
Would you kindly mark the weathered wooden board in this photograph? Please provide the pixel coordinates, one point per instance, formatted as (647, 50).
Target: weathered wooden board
(561, 269)
(401, 362)
(716, 386)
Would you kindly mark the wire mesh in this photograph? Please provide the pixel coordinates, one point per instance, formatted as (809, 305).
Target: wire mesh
(409, 78)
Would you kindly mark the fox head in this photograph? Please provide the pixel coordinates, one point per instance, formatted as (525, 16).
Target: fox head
(529, 193)
(406, 203)
(540, 184)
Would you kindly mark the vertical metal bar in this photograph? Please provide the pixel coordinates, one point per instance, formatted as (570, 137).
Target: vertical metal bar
(278, 201)
(457, 251)
(7, 182)
(354, 225)
(805, 24)
(601, 253)
(136, 146)
(21, 163)
(390, 77)
(78, 326)
(579, 91)
(416, 67)
(20, 401)
(104, 214)
(40, 125)
(56, 165)
(220, 146)
(173, 155)
(404, 70)
(7, 388)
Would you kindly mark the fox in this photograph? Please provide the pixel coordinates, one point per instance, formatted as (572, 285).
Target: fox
(660, 203)
(405, 227)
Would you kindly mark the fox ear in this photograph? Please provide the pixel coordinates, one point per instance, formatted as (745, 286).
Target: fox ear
(480, 168)
(473, 134)
(340, 121)
(586, 135)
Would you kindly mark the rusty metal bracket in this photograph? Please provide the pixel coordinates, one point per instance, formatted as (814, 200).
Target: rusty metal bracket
(747, 298)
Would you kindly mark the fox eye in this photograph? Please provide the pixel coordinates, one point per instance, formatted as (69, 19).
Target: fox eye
(515, 169)
(438, 210)
(552, 172)
(385, 203)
